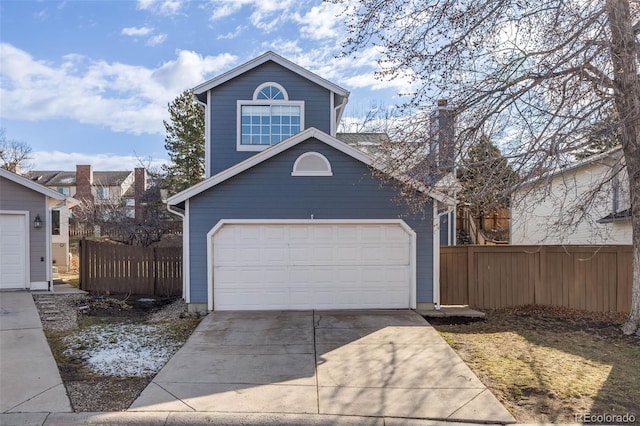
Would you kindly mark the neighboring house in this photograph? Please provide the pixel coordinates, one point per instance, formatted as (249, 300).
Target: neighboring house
(27, 223)
(88, 186)
(584, 203)
(289, 216)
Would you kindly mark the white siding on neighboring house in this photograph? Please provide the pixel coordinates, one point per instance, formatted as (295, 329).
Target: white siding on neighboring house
(557, 209)
(60, 241)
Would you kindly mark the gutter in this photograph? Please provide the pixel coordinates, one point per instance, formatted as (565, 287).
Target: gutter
(176, 212)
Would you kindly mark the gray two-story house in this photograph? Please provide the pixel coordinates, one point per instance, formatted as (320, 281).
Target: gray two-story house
(290, 217)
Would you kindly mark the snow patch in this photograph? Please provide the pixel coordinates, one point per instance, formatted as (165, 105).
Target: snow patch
(122, 350)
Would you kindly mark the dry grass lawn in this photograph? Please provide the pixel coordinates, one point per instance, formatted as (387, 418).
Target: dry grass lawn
(550, 364)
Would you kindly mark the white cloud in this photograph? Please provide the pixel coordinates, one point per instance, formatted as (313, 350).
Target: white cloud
(161, 7)
(145, 4)
(121, 97)
(57, 160)
(136, 32)
(321, 22)
(170, 7)
(266, 15)
(156, 40)
(233, 34)
(189, 69)
(224, 8)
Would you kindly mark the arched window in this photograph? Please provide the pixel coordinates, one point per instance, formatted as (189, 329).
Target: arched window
(268, 118)
(270, 90)
(311, 164)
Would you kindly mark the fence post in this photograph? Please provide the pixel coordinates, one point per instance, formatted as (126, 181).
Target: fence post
(154, 271)
(542, 274)
(81, 259)
(471, 277)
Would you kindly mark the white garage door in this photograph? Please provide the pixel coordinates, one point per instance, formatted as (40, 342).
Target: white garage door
(312, 266)
(13, 242)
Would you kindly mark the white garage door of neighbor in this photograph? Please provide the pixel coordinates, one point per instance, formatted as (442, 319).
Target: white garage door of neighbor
(312, 266)
(12, 251)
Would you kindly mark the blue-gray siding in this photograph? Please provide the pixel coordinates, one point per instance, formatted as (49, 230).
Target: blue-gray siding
(268, 191)
(17, 197)
(223, 111)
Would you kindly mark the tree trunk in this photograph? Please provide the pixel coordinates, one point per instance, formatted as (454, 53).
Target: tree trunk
(627, 102)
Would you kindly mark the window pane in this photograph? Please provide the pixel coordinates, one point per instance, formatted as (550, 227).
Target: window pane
(270, 92)
(265, 125)
(55, 222)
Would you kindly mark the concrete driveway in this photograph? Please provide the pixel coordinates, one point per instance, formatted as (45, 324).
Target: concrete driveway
(365, 363)
(29, 377)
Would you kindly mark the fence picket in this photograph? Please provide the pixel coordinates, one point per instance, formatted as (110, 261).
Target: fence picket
(595, 278)
(118, 269)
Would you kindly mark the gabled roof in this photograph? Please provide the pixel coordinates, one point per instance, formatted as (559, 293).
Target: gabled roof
(355, 139)
(265, 57)
(623, 216)
(613, 153)
(294, 140)
(20, 180)
(110, 178)
(62, 178)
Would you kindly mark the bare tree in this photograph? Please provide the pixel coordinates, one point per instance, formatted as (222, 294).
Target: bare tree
(537, 77)
(14, 155)
(116, 218)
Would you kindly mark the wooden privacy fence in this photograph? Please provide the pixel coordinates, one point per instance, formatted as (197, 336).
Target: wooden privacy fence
(593, 278)
(118, 268)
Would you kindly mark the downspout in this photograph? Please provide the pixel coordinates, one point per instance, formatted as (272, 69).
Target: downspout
(184, 248)
(436, 256)
(338, 111)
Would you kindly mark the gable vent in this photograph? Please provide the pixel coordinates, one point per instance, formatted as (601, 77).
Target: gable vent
(312, 164)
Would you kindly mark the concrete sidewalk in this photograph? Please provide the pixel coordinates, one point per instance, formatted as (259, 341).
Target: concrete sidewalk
(29, 377)
(370, 364)
(208, 418)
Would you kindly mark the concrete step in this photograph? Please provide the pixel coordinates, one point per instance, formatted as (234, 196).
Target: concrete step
(53, 318)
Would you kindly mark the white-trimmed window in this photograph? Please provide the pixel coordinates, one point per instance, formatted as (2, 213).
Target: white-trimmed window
(312, 164)
(102, 192)
(270, 117)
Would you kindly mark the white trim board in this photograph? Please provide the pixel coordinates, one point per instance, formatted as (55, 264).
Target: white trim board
(265, 57)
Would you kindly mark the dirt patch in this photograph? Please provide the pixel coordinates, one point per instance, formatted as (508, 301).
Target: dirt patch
(551, 365)
(108, 349)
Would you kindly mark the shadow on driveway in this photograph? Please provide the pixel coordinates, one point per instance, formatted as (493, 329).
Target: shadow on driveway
(364, 363)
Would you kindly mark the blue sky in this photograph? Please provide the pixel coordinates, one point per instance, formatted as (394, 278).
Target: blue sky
(88, 82)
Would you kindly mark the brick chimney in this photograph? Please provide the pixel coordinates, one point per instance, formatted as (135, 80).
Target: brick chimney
(84, 181)
(14, 167)
(139, 186)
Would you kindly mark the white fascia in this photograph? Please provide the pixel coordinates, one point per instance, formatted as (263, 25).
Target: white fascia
(48, 231)
(207, 132)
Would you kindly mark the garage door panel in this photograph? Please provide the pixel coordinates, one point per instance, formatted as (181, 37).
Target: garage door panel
(13, 244)
(311, 266)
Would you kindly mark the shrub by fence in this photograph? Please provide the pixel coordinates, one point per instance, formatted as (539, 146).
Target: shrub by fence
(593, 278)
(117, 268)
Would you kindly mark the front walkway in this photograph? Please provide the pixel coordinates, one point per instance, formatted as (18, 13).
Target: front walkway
(29, 378)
